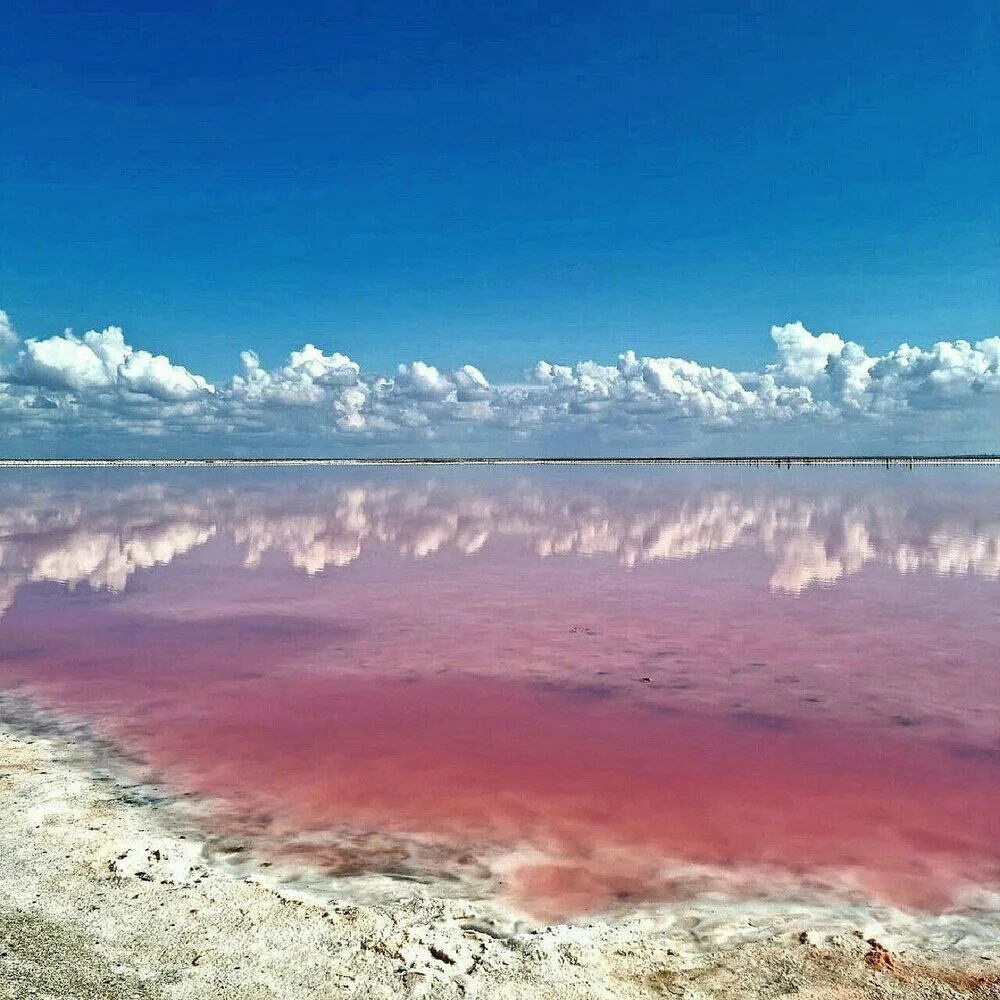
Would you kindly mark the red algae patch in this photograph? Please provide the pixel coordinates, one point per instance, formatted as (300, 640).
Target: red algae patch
(617, 794)
(619, 803)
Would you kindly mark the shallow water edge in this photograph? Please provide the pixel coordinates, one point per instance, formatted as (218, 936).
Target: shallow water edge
(103, 898)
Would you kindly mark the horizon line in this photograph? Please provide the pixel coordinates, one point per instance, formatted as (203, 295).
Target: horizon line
(772, 460)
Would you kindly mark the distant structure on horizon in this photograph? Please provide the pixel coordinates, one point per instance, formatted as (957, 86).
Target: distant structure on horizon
(778, 461)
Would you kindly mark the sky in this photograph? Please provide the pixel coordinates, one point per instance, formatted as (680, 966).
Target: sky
(280, 205)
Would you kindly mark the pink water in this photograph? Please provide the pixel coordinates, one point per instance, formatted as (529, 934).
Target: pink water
(624, 686)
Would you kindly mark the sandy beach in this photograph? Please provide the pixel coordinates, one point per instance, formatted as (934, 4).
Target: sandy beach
(102, 897)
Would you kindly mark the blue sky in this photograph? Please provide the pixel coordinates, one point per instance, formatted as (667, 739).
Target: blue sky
(464, 183)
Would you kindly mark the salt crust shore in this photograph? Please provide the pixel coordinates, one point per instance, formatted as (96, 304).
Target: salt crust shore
(101, 898)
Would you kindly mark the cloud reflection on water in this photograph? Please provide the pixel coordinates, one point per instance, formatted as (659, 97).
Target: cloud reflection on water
(86, 535)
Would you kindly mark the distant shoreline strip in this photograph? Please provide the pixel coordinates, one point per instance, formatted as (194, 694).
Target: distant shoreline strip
(777, 461)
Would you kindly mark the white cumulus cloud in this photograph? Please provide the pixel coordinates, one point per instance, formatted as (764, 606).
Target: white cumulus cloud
(8, 335)
(820, 387)
(101, 360)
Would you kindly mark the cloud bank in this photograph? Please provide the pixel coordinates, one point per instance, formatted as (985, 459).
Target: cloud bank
(83, 390)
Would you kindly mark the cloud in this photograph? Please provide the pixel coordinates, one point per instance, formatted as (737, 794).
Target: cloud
(82, 364)
(804, 356)
(820, 387)
(153, 375)
(843, 374)
(8, 335)
(99, 361)
(639, 390)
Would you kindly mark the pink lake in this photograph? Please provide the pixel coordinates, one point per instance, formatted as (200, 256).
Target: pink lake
(578, 691)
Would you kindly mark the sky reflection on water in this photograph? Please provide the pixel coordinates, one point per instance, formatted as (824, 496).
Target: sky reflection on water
(582, 689)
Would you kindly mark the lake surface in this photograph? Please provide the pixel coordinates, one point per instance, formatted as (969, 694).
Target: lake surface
(575, 691)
